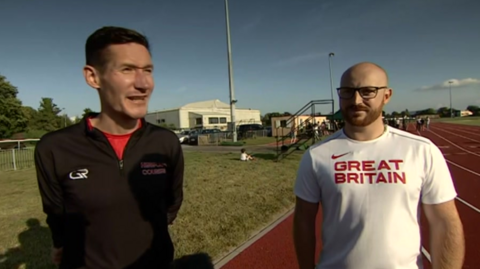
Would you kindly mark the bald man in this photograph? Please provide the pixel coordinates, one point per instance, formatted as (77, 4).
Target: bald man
(369, 179)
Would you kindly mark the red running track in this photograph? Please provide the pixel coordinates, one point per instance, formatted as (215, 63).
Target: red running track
(459, 145)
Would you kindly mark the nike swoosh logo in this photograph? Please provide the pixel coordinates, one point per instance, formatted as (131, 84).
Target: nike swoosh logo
(338, 156)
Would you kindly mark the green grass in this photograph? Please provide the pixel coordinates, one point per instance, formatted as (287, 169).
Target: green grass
(226, 200)
(475, 121)
(259, 141)
(232, 144)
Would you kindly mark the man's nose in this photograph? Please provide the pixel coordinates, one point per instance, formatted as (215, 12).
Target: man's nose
(143, 80)
(357, 98)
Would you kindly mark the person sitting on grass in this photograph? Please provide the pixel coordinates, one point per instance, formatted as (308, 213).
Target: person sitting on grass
(245, 156)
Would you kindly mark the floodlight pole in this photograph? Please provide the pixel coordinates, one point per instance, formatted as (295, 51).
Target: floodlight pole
(230, 76)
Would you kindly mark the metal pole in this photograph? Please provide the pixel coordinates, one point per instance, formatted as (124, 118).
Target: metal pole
(230, 76)
(451, 109)
(330, 55)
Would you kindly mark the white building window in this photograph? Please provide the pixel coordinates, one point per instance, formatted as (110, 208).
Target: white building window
(213, 120)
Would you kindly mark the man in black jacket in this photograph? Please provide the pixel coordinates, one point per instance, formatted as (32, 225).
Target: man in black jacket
(111, 184)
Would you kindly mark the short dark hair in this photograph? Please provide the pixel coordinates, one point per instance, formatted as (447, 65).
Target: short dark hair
(110, 35)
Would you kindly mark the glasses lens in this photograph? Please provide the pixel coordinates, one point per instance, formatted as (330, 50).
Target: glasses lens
(346, 92)
(368, 92)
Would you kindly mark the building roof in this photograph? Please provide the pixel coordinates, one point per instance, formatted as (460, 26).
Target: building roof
(211, 113)
(207, 104)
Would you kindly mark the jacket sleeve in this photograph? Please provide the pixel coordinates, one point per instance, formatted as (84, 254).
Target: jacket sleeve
(50, 192)
(177, 182)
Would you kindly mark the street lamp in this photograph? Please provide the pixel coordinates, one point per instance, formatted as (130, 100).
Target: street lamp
(64, 117)
(330, 55)
(451, 109)
(230, 76)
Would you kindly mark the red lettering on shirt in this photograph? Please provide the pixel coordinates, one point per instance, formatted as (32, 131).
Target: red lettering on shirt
(369, 172)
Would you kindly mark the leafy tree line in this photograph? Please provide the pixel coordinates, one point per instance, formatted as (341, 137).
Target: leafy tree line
(18, 121)
(442, 111)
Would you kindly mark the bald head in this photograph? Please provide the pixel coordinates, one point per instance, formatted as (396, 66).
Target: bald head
(363, 75)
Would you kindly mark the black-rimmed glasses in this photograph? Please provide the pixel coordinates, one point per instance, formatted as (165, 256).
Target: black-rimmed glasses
(365, 92)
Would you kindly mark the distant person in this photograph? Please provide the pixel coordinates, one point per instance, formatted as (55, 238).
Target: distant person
(244, 156)
(111, 184)
(369, 179)
(428, 123)
(293, 132)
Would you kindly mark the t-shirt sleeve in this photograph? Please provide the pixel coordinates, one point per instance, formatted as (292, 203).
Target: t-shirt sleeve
(438, 185)
(306, 185)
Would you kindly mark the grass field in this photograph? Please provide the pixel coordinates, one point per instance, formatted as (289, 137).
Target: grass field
(463, 120)
(225, 202)
(259, 141)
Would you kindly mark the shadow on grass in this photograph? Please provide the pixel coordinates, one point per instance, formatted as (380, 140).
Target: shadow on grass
(34, 249)
(263, 156)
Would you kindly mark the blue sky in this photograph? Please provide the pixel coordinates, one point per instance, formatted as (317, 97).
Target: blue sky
(280, 49)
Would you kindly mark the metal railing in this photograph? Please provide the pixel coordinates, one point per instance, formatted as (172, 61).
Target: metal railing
(17, 154)
(304, 134)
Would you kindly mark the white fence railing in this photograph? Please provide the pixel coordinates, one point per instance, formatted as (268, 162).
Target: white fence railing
(17, 154)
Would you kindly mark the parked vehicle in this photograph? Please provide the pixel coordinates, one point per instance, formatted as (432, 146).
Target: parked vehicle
(193, 137)
(248, 130)
(184, 136)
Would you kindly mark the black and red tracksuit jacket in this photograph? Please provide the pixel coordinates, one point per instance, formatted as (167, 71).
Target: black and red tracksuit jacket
(108, 213)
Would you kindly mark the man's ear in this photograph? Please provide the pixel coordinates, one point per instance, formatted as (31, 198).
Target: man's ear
(91, 76)
(387, 95)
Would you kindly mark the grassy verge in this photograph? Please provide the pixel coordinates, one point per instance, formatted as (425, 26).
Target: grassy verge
(475, 121)
(225, 201)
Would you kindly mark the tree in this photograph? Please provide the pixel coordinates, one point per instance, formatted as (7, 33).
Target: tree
(12, 118)
(87, 111)
(267, 118)
(474, 109)
(444, 111)
(47, 117)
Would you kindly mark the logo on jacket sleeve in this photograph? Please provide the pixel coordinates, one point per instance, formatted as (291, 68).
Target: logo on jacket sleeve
(153, 168)
(79, 174)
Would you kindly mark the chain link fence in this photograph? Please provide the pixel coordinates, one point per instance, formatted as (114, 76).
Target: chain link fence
(216, 139)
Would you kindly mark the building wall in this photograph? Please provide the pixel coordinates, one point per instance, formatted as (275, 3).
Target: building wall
(248, 116)
(185, 118)
(222, 120)
(277, 122)
(164, 117)
(242, 116)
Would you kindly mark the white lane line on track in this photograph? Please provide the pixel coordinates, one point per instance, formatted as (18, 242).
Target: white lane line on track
(426, 254)
(467, 204)
(453, 144)
(468, 170)
(461, 167)
(459, 130)
(471, 139)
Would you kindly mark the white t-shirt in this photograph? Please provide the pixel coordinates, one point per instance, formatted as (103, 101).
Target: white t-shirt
(370, 194)
(243, 157)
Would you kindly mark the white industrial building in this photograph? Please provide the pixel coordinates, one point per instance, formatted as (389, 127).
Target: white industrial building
(212, 114)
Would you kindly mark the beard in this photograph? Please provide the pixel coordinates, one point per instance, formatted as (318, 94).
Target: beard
(362, 119)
